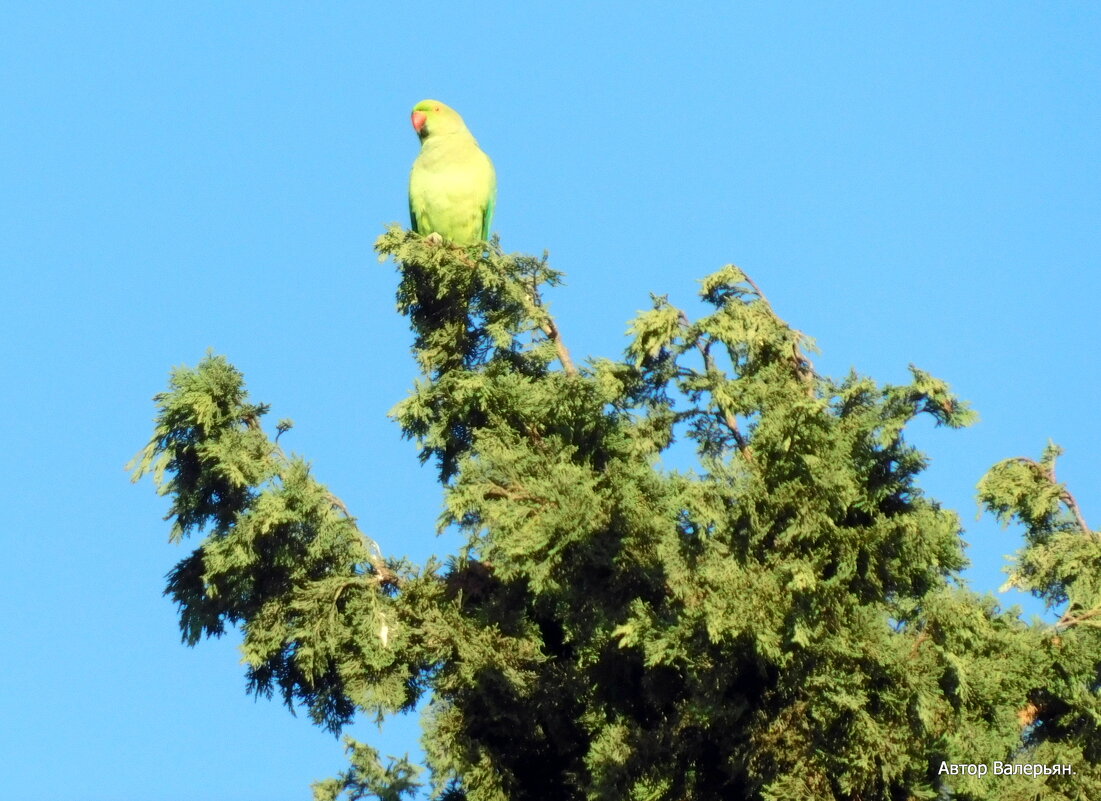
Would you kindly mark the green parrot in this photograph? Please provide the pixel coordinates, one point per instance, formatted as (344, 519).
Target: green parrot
(452, 187)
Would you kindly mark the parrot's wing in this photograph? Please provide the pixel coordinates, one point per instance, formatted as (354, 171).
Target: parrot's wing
(487, 215)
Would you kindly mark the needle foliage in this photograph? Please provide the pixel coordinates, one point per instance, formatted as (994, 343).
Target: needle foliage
(785, 622)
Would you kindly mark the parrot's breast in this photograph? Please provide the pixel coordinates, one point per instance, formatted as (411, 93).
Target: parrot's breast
(451, 190)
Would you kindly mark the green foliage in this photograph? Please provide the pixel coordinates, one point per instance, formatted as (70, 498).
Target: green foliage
(281, 557)
(787, 622)
(367, 778)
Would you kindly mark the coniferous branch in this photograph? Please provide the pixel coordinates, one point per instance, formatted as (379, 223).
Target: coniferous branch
(611, 629)
(1047, 472)
(383, 574)
(803, 365)
(710, 367)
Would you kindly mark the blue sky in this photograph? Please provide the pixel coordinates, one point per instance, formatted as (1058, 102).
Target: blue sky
(907, 182)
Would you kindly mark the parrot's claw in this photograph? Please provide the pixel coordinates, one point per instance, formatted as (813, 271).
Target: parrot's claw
(433, 239)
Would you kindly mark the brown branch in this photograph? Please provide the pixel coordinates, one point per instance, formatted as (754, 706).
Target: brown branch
(520, 494)
(756, 288)
(1076, 510)
(535, 436)
(1065, 496)
(1068, 620)
(727, 417)
(549, 328)
(922, 637)
(803, 365)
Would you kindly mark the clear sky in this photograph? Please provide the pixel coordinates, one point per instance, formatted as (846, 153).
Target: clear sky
(908, 182)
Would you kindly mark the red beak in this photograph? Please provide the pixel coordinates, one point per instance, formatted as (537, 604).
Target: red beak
(419, 118)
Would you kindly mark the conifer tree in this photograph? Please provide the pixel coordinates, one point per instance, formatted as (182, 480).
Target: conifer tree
(786, 622)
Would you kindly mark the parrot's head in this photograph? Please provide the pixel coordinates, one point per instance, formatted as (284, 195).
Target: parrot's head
(431, 117)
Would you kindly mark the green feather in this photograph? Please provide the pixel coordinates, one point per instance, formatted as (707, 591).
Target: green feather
(453, 186)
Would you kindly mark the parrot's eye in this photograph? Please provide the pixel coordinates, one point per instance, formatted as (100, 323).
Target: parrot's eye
(437, 108)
